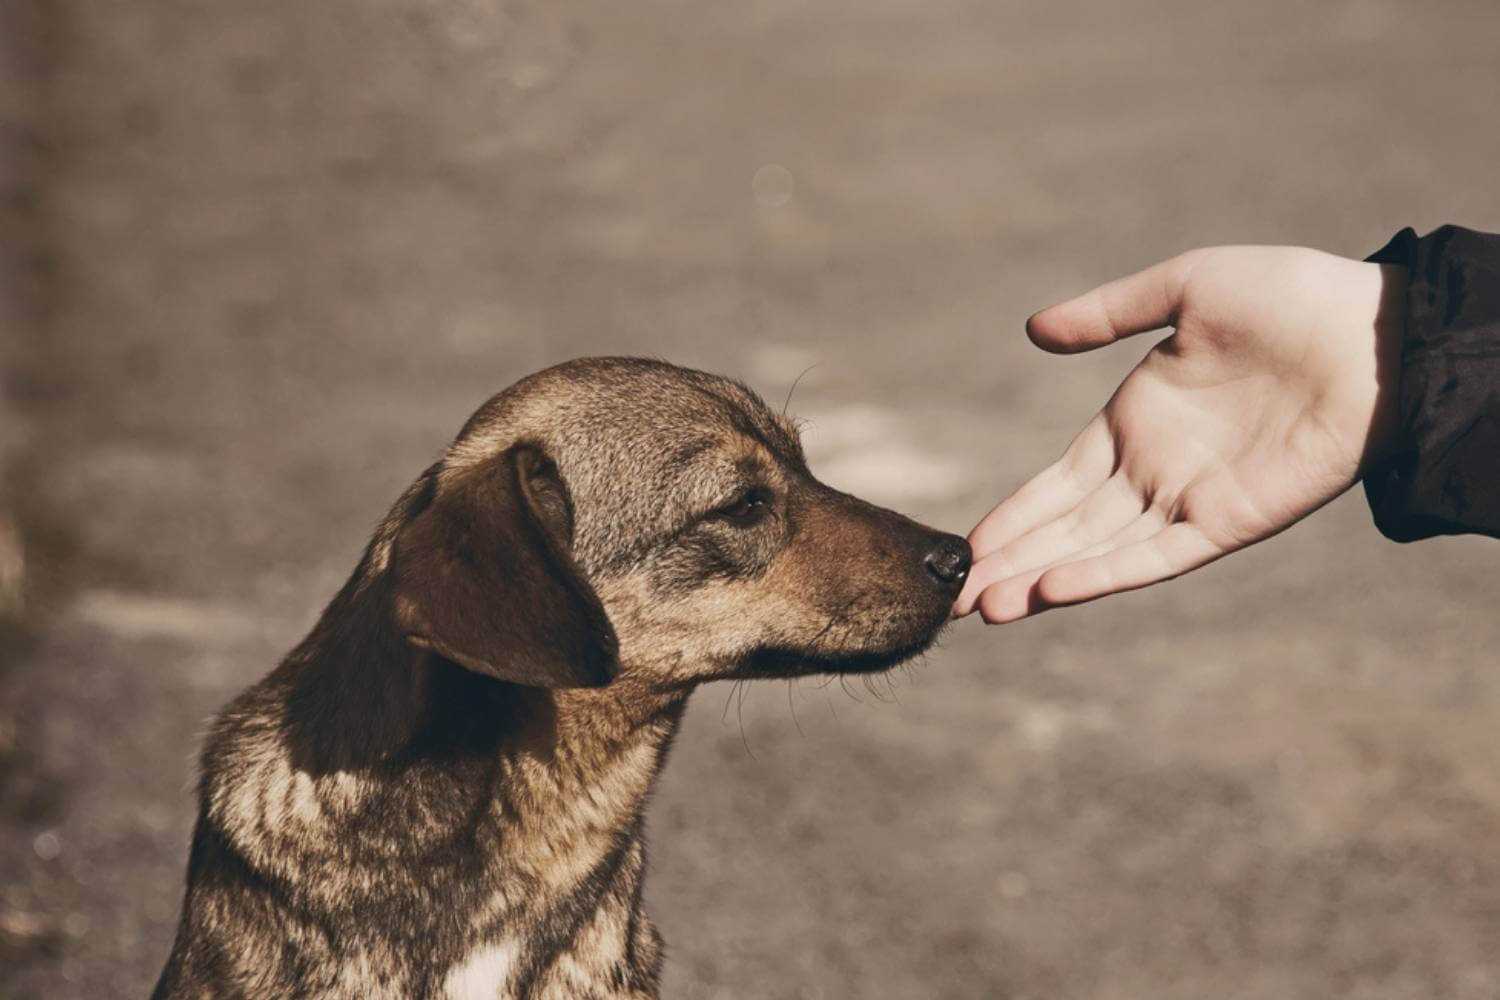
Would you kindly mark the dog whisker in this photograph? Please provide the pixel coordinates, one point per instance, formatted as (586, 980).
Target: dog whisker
(856, 698)
(724, 716)
(890, 681)
(740, 715)
(795, 382)
(872, 686)
(793, 706)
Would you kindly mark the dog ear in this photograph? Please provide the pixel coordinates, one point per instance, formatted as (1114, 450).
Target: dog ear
(484, 578)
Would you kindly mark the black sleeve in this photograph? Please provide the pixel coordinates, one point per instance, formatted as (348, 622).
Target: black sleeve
(1444, 476)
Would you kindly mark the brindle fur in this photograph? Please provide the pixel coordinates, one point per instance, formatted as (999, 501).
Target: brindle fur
(439, 793)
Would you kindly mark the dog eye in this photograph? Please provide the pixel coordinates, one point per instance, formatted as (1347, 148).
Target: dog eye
(747, 508)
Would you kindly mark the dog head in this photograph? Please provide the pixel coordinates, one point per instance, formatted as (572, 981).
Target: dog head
(619, 516)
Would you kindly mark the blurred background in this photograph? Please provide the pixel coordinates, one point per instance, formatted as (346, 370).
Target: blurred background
(260, 260)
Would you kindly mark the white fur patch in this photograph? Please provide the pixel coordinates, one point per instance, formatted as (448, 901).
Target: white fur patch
(484, 974)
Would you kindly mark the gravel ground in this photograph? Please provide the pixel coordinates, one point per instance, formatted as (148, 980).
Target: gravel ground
(272, 254)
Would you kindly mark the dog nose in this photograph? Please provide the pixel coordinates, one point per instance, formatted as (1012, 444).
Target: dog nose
(948, 562)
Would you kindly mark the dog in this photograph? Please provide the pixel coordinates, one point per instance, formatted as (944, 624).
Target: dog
(439, 792)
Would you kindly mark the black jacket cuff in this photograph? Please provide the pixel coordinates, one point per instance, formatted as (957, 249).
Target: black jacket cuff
(1443, 476)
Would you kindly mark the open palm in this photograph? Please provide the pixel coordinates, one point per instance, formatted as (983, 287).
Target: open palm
(1263, 405)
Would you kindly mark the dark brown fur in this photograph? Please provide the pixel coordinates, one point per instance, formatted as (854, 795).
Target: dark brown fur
(439, 793)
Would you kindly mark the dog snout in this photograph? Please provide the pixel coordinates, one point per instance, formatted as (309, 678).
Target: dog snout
(948, 561)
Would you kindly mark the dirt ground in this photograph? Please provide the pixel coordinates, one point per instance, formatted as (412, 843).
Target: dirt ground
(272, 254)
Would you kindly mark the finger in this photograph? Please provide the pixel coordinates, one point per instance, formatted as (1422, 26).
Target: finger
(1146, 300)
(1012, 598)
(1095, 518)
(1054, 491)
(1102, 513)
(1173, 551)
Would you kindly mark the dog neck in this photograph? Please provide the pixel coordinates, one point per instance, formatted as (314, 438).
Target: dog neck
(542, 783)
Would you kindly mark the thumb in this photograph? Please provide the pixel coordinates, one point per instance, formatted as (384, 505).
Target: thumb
(1146, 300)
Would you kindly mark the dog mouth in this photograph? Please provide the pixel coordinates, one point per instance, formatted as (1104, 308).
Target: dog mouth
(777, 661)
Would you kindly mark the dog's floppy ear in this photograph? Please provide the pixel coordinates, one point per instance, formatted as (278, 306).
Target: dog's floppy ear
(483, 577)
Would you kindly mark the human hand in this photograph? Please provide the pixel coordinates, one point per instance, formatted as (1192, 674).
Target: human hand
(1275, 391)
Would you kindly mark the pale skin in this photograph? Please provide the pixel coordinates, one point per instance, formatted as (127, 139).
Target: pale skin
(1274, 393)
